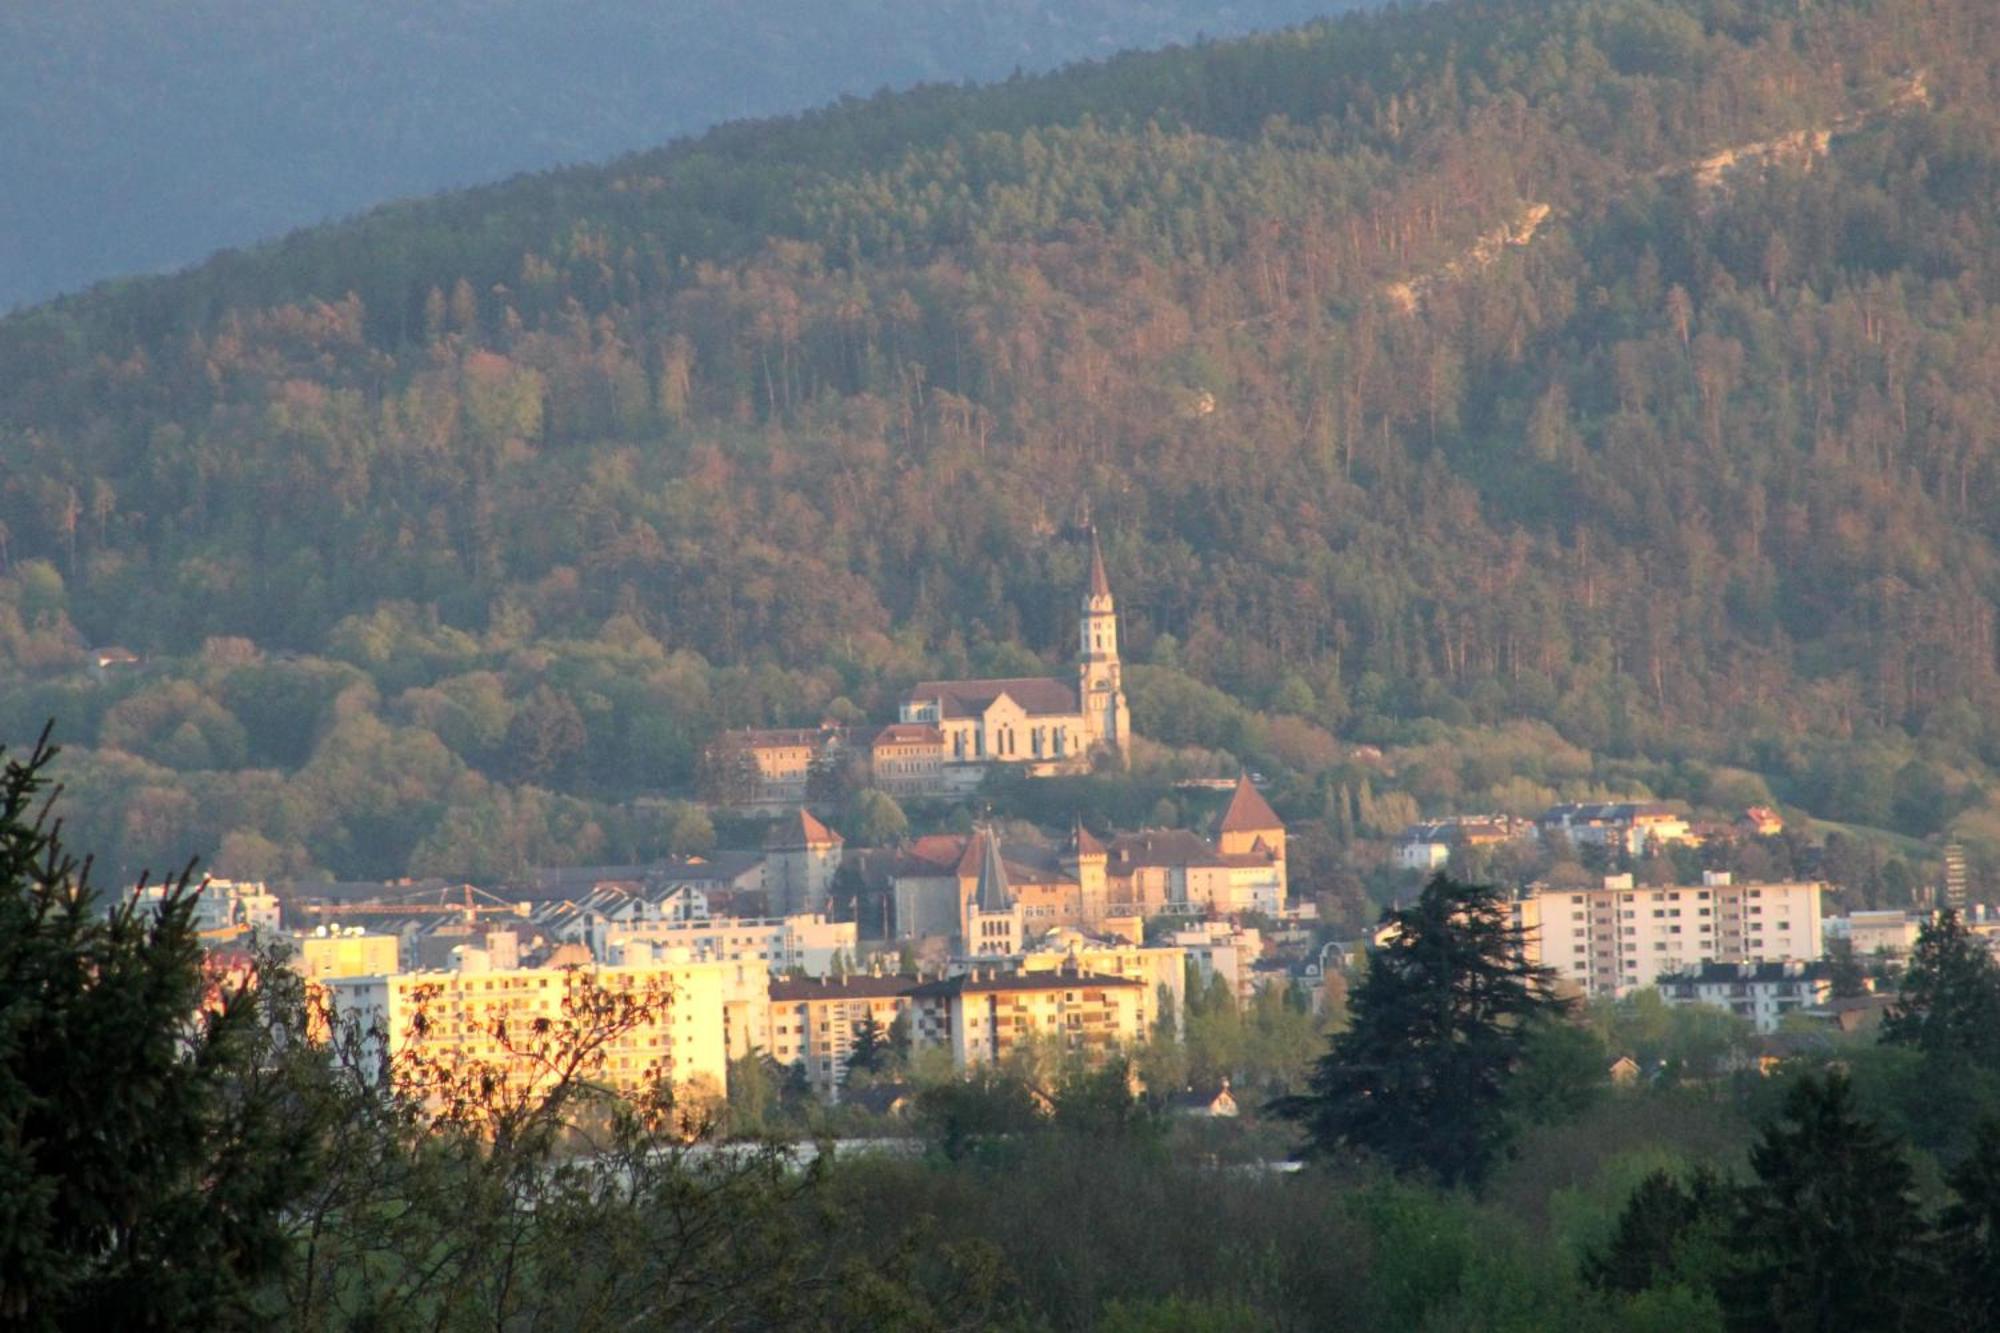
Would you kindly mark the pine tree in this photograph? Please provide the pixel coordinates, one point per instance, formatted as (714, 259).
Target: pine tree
(1655, 1230)
(869, 1049)
(1969, 1236)
(1829, 1237)
(1949, 1002)
(1439, 1027)
(144, 1163)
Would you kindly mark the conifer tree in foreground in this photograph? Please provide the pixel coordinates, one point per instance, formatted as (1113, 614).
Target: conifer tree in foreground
(1439, 1027)
(1829, 1237)
(143, 1165)
(1949, 1000)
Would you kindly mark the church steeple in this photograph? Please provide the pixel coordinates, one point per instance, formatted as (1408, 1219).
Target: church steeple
(1100, 586)
(1100, 677)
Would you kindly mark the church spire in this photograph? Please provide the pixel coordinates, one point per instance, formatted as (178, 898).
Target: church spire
(1100, 586)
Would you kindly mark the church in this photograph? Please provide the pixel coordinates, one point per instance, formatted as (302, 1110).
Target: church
(1036, 720)
(948, 733)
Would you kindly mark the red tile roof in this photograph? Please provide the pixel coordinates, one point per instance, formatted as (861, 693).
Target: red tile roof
(801, 830)
(1248, 811)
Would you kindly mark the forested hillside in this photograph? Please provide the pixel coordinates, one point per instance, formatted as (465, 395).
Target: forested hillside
(1565, 396)
(143, 136)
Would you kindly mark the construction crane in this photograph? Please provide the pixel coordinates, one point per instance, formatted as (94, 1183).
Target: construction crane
(467, 908)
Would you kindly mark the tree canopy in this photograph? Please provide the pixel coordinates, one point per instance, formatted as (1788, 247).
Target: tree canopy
(1440, 1027)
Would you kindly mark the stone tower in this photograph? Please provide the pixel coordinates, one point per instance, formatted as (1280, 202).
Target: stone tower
(1100, 678)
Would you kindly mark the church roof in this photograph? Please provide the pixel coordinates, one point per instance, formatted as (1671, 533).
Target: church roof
(801, 830)
(1082, 843)
(1100, 586)
(1248, 811)
(1037, 695)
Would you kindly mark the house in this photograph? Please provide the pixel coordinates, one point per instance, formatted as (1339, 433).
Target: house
(1214, 1103)
(1623, 1072)
(1633, 827)
(1760, 821)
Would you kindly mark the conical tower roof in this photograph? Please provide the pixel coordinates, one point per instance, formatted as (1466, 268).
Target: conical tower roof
(1100, 586)
(1248, 811)
(993, 894)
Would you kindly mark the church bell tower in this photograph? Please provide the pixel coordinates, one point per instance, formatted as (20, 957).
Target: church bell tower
(1100, 679)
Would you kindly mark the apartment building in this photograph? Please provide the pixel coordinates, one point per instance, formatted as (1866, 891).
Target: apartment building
(806, 943)
(505, 1019)
(333, 952)
(812, 1023)
(1622, 937)
(1762, 993)
(985, 1016)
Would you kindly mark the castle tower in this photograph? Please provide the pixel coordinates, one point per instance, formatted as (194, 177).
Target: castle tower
(1100, 678)
(1084, 858)
(801, 856)
(1250, 824)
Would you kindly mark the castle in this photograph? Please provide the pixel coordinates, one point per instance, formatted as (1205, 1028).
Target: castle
(948, 733)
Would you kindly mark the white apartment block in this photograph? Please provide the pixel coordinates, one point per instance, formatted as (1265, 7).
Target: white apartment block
(221, 905)
(808, 943)
(1761, 993)
(1614, 940)
(1220, 949)
(1876, 933)
(480, 1015)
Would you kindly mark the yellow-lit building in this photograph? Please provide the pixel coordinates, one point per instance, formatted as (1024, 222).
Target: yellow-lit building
(986, 1016)
(813, 1022)
(511, 1019)
(353, 954)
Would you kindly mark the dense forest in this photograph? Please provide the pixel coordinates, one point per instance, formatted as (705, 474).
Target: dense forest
(142, 137)
(1479, 403)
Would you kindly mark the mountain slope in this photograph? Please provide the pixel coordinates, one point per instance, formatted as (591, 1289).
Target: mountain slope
(142, 136)
(561, 475)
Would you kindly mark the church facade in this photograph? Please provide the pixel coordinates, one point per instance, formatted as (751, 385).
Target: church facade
(948, 733)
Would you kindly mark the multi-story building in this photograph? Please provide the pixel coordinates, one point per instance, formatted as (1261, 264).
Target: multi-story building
(1621, 937)
(907, 759)
(808, 943)
(985, 1016)
(221, 906)
(1885, 934)
(1162, 969)
(332, 952)
(812, 1023)
(504, 1020)
(1219, 949)
(1763, 993)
